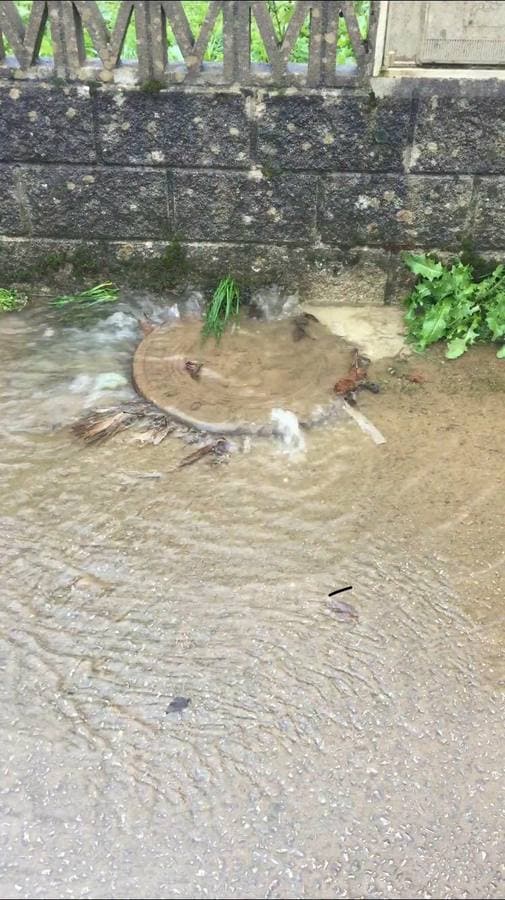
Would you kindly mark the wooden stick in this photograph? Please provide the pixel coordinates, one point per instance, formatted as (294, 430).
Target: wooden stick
(364, 424)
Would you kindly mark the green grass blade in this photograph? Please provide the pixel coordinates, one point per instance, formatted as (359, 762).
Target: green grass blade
(100, 293)
(225, 305)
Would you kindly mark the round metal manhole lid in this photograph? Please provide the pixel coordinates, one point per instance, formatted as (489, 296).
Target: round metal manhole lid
(232, 386)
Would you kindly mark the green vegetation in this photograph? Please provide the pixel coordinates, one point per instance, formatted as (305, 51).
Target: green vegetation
(157, 273)
(10, 301)
(87, 262)
(101, 293)
(196, 11)
(225, 305)
(152, 86)
(469, 256)
(449, 303)
(174, 263)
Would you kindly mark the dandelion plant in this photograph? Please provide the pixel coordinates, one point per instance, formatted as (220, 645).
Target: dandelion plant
(11, 300)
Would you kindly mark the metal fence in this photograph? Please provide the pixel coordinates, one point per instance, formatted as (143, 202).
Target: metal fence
(71, 59)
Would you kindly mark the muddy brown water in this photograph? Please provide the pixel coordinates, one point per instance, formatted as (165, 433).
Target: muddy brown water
(318, 757)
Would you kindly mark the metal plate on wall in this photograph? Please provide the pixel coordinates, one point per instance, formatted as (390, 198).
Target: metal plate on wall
(464, 33)
(459, 33)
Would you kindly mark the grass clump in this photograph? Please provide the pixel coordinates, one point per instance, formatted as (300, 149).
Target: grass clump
(224, 306)
(101, 293)
(11, 300)
(449, 303)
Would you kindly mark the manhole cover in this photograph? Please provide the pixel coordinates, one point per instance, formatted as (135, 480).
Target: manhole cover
(232, 387)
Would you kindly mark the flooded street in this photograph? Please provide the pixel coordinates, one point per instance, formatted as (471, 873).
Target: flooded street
(318, 757)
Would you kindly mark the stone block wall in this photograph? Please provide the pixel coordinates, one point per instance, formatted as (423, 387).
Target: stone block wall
(194, 181)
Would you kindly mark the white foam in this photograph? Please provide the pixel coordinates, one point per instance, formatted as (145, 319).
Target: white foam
(287, 427)
(120, 326)
(80, 384)
(274, 303)
(110, 381)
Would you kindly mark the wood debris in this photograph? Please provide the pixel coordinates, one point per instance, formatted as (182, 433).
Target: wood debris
(146, 325)
(365, 424)
(103, 424)
(218, 448)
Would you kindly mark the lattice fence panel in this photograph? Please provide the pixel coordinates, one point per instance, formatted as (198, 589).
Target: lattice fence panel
(70, 21)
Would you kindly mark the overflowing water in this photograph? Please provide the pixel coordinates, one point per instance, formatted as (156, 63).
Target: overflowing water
(318, 757)
(287, 427)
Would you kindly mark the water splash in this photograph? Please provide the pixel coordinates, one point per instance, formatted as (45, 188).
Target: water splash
(274, 303)
(287, 427)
